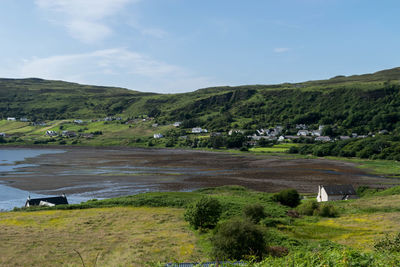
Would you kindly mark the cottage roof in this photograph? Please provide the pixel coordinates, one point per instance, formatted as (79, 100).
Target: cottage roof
(339, 189)
(54, 200)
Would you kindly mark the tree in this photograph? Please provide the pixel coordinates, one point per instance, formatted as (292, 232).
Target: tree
(288, 197)
(254, 212)
(237, 239)
(204, 213)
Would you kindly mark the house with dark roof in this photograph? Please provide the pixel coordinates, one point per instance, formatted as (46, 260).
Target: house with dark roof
(47, 201)
(335, 192)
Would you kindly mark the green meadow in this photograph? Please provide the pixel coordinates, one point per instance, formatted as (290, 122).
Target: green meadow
(149, 230)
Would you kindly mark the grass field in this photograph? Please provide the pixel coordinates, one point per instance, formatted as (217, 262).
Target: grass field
(121, 236)
(149, 230)
(279, 148)
(361, 222)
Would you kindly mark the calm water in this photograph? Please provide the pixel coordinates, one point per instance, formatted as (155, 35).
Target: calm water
(10, 162)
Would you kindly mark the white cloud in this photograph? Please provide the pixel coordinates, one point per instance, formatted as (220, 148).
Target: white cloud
(281, 49)
(117, 67)
(84, 19)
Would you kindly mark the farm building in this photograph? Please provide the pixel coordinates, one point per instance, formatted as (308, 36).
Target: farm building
(46, 201)
(335, 192)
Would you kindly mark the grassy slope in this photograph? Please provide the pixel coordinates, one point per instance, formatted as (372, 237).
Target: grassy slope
(126, 234)
(126, 231)
(216, 108)
(121, 236)
(361, 223)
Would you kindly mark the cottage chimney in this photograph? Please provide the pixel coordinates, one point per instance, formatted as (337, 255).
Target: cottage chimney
(29, 197)
(64, 196)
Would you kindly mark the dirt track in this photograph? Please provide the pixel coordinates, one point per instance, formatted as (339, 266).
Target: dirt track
(127, 171)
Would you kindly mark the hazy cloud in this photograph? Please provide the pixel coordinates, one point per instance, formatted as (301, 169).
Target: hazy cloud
(281, 49)
(83, 19)
(116, 66)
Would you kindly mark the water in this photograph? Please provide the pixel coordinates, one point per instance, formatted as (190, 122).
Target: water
(11, 160)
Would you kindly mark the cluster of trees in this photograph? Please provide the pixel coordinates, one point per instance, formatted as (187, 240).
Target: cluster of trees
(236, 140)
(380, 147)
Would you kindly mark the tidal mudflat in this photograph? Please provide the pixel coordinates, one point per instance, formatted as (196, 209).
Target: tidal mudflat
(111, 172)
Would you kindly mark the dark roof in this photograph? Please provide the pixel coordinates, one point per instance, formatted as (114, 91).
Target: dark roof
(54, 200)
(339, 189)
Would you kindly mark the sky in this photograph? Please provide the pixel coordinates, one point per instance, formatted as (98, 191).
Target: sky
(174, 46)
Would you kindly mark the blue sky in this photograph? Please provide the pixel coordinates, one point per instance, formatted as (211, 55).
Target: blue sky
(172, 46)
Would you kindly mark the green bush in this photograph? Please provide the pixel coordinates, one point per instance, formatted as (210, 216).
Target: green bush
(273, 222)
(254, 212)
(308, 207)
(237, 239)
(327, 210)
(288, 197)
(204, 213)
(388, 244)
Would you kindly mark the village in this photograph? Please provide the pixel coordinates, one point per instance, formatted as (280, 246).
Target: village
(298, 133)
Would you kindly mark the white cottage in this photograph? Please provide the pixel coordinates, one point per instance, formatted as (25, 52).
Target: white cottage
(335, 192)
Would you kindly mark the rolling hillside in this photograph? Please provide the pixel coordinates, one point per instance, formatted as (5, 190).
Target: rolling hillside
(360, 103)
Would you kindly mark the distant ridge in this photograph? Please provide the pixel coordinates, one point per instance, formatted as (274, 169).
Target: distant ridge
(359, 102)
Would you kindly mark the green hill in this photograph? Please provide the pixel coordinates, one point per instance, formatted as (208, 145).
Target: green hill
(359, 103)
(43, 99)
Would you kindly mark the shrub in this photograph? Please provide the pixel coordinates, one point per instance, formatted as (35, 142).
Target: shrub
(388, 244)
(327, 210)
(254, 212)
(288, 197)
(308, 207)
(237, 239)
(277, 251)
(361, 190)
(293, 150)
(273, 222)
(204, 213)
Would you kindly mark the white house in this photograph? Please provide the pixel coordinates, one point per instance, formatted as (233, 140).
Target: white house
(78, 121)
(303, 133)
(316, 133)
(301, 127)
(158, 136)
(24, 119)
(232, 131)
(199, 130)
(2, 135)
(177, 123)
(335, 192)
(11, 119)
(68, 134)
(323, 139)
(51, 133)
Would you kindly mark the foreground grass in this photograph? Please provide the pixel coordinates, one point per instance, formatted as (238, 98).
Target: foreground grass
(148, 229)
(122, 236)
